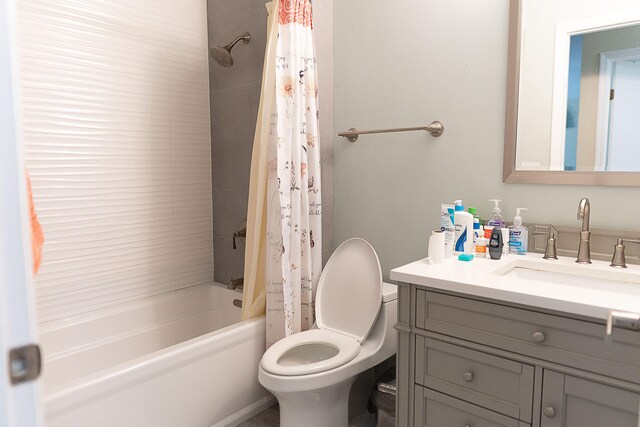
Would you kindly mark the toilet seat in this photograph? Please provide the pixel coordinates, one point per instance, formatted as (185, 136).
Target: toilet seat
(346, 349)
(350, 290)
(348, 301)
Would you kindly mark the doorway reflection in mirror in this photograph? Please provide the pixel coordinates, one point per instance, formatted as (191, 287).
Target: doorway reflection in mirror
(603, 99)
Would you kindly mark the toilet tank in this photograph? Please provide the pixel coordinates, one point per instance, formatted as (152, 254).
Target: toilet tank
(384, 333)
(389, 292)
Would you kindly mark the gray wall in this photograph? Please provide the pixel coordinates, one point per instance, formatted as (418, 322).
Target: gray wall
(407, 63)
(235, 95)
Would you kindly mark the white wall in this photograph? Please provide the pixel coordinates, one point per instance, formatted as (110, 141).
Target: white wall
(116, 126)
(593, 45)
(323, 12)
(409, 62)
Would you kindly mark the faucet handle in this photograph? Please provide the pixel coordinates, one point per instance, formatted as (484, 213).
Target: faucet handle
(618, 260)
(550, 251)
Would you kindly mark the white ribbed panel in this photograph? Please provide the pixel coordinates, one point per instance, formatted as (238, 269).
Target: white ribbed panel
(116, 122)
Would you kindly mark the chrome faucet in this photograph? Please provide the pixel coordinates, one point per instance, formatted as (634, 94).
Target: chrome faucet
(584, 251)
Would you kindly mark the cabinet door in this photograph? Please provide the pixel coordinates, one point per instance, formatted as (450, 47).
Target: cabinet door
(573, 402)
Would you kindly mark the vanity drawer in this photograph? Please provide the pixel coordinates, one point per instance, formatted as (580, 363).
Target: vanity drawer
(433, 409)
(499, 384)
(571, 342)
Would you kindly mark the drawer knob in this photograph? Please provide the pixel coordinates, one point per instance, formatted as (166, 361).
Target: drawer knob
(549, 412)
(538, 337)
(467, 376)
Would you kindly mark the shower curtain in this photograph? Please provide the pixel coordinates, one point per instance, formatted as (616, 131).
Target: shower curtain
(283, 257)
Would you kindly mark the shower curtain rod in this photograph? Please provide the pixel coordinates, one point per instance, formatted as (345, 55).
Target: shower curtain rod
(435, 128)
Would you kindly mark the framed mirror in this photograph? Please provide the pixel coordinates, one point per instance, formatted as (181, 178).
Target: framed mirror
(573, 93)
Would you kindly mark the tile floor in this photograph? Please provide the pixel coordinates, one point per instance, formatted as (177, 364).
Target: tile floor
(270, 417)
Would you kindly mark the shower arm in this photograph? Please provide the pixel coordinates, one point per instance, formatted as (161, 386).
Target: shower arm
(435, 128)
(244, 37)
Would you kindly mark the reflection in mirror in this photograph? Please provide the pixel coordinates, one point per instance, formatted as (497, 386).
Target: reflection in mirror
(566, 61)
(603, 100)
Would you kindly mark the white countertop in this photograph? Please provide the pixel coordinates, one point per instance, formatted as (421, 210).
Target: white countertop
(583, 295)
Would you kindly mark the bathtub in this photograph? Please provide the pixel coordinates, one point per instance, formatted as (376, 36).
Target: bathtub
(179, 359)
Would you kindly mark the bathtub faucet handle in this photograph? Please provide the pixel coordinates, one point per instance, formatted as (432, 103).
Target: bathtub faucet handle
(239, 233)
(236, 283)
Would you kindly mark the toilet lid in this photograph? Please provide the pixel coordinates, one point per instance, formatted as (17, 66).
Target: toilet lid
(350, 290)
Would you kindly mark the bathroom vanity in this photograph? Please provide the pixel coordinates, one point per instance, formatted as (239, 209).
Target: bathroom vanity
(517, 342)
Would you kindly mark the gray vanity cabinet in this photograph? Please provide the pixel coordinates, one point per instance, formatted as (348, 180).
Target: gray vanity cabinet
(468, 361)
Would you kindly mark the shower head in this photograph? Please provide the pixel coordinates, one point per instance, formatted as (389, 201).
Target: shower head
(222, 55)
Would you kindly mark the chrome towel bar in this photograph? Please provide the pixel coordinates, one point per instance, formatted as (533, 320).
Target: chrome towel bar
(435, 128)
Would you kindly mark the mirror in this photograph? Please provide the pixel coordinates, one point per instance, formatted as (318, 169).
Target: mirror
(566, 61)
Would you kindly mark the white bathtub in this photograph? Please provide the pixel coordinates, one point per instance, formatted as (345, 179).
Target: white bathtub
(184, 361)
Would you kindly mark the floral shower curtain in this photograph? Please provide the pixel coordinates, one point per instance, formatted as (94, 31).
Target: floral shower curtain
(293, 250)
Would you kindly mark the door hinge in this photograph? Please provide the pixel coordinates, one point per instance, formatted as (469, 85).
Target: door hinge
(612, 94)
(25, 363)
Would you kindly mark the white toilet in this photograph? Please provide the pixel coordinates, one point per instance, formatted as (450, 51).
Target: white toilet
(311, 373)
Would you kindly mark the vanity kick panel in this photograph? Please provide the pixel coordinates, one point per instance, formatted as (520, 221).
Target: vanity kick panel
(571, 342)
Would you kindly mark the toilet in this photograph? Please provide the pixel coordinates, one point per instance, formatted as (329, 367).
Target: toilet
(311, 372)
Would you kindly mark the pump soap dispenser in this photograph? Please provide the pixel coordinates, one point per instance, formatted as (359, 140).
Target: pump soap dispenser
(518, 235)
(495, 219)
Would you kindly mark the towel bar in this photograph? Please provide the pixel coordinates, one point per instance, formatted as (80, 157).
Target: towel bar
(435, 128)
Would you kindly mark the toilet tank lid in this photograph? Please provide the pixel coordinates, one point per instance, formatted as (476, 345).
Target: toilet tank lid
(389, 292)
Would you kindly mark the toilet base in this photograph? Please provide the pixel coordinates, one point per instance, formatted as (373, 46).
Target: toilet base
(323, 407)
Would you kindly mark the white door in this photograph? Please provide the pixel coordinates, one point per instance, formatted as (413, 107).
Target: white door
(19, 402)
(623, 152)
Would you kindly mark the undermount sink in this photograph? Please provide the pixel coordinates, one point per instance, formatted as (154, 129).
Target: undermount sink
(565, 274)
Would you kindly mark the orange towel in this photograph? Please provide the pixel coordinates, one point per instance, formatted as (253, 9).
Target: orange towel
(37, 237)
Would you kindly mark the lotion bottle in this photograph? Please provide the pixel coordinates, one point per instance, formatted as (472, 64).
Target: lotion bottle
(463, 224)
(477, 231)
(481, 246)
(446, 225)
(518, 235)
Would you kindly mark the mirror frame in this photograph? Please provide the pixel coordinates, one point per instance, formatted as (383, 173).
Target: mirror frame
(510, 174)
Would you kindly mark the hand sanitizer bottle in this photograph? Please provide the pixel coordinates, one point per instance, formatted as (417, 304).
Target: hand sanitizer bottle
(495, 219)
(518, 235)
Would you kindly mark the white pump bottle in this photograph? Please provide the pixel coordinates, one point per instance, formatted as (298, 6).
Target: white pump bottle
(518, 235)
(495, 219)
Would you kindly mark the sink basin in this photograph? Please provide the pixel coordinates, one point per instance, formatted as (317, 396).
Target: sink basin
(565, 274)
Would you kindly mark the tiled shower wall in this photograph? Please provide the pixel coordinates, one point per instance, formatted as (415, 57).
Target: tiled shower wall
(235, 95)
(115, 125)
